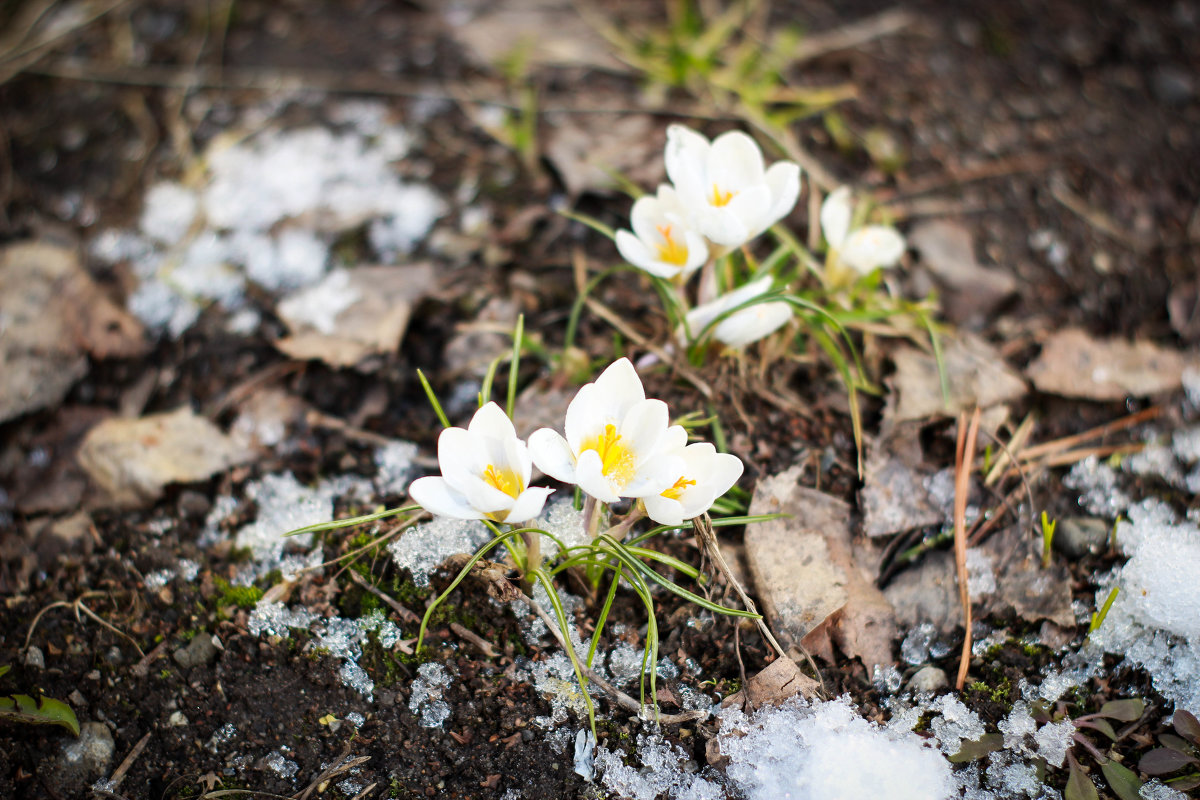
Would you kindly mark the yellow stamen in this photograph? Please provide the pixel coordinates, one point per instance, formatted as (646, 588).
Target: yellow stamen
(671, 251)
(720, 198)
(617, 461)
(680, 486)
(505, 480)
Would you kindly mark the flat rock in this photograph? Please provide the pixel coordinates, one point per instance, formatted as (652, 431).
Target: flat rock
(975, 373)
(353, 314)
(1074, 364)
(972, 291)
(132, 460)
(52, 314)
(542, 32)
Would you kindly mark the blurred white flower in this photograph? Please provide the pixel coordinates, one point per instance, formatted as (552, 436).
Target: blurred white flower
(863, 250)
(706, 475)
(617, 444)
(745, 326)
(661, 243)
(724, 187)
(485, 473)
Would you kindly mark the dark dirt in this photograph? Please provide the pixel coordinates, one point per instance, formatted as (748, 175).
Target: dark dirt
(998, 112)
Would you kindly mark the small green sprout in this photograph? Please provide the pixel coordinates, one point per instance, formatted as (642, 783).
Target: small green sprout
(1098, 617)
(1048, 526)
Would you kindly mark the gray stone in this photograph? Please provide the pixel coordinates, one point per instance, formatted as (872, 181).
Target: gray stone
(34, 658)
(200, 651)
(1076, 537)
(81, 761)
(928, 680)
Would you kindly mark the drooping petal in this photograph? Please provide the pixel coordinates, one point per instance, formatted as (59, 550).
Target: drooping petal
(872, 247)
(836, 213)
(437, 497)
(589, 476)
(735, 162)
(528, 505)
(751, 324)
(552, 455)
(783, 179)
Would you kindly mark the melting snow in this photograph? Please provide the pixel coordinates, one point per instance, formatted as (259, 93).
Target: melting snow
(427, 692)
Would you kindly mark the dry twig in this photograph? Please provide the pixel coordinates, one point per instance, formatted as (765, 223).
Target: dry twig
(964, 455)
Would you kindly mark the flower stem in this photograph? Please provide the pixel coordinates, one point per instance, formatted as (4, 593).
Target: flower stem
(533, 558)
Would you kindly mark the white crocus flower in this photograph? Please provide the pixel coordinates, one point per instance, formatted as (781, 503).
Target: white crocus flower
(617, 444)
(485, 473)
(706, 475)
(863, 250)
(745, 326)
(661, 243)
(729, 195)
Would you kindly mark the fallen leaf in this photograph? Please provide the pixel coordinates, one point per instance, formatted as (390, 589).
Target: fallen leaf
(1074, 364)
(475, 345)
(370, 311)
(778, 681)
(976, 375)
(587, 150)
(970, 290)
(132, 460)
(806, 572)
(540, 32)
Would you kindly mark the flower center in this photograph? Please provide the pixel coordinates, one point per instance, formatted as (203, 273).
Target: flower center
(617, 461)
(720, 198)
(505, 480)
(679, 488)
(671, 251)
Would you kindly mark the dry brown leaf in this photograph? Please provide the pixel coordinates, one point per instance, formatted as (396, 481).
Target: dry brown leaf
(975, 373)
(1074, 364)
(585, 150)
(972, 291)
(51, 314)
(806, 572)
(374, 323)
(132, 460)
(778, 681)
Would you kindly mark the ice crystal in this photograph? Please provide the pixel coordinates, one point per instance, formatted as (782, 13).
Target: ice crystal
(427, 692)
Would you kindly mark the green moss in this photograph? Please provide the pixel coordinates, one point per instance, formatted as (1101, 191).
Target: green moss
(241, 596)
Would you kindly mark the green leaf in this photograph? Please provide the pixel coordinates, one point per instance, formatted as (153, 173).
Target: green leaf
(4, 669)
(23, 708)
(988, 743)
(1080, 786)
(1124, 710)
(1105, 727)
(346, 523)
(1123, 781)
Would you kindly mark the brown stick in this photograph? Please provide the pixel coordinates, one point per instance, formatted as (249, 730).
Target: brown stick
(964, 455)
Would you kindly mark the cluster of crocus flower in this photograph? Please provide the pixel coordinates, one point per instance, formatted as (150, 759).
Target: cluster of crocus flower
(617, 444)
(722, 195)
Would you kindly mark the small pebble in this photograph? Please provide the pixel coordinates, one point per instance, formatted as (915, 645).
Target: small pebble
(34, 658)
(928, 680)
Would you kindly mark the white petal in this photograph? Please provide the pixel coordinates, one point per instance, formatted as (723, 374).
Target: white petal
(668, 202)
(484, 496)
(751, 207)
(589, 474)
(783, 178)
(437, 497)
(490, 420)
(528, 505)
(674, 439)
(461, 456)
(751, 324)
(720, 225)
(871, 247)
(618, 388)
(552, 455)
(685, 155)
(655, 475)
(585, 415)
(645, 217)
(836, 213)
(637, 253)
(644, 426)
(663, 510)
(735, 162)
(697, 252)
